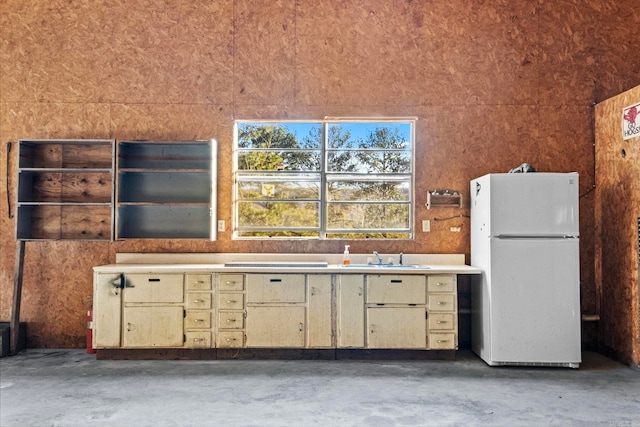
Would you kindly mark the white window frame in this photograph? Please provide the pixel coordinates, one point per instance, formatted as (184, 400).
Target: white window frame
(325, 176)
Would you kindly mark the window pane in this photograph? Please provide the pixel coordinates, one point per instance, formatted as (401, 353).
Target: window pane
(353, 134)
(367, 216)
(279, 146)
(278, 214)
(329, 179)
(278, 160)
(369, 191)
(266, 190)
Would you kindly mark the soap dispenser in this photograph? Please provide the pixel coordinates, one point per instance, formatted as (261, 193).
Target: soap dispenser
(345, 257)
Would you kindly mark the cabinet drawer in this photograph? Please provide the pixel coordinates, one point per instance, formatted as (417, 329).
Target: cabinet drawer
(230, 301)
(441, 322)
(441, 283)
(393, 289)
(198, 282)
(442, 341)
(153, 288)
(198, 300)
(231, 320)
(230, 339)
(198, 339)
(231, 282)
(444, 302)
(265, 288)
(197, 320)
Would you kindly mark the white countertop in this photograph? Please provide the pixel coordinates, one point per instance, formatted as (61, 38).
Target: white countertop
(330, 268)
(283, 263)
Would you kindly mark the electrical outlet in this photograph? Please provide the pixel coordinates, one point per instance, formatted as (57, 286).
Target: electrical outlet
(455, 229)
(221, 225)
(426, 226)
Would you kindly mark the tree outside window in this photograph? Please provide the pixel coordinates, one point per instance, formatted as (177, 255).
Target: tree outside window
(329, 179)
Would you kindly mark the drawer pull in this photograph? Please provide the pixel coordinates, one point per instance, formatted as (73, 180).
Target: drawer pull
(154, 279)
(231, 339)
(198, 339)
(199, 281)
(231, 320)
(230, 282)
(441, 284)
(442, 303)
(231, 301)
(396, 281)
(440, 322)
(198, 300)
(199, 320)
(275, 280)
(441, 341)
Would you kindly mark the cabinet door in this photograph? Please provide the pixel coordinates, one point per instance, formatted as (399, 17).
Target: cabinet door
(396, 327)
(107, 310)
(396, 289)
(350, 310)
(275, 326)
(266, 288)
(319, 327)
(159, 326)
(152, 288)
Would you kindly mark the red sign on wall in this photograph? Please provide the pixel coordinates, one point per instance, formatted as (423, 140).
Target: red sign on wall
(631, 121)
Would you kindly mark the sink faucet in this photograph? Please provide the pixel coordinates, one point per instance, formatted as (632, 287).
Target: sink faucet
(379, 259)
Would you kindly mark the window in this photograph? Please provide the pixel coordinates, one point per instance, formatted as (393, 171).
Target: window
(324, 179)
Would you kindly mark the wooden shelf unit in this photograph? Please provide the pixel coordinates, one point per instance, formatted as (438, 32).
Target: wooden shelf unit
(166, 190)
(65, 189)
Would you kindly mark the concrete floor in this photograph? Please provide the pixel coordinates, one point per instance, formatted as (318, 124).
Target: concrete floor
(72, 388)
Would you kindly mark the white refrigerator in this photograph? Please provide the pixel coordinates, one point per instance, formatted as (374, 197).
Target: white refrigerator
(525, 238)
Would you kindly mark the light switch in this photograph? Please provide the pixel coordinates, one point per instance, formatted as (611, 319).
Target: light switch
(426, 225)
(221, 225)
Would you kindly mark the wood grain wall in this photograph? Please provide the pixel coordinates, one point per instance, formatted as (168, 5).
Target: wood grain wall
(617, 220)
(494, 84)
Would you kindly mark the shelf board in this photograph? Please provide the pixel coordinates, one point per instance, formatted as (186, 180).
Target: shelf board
(66, 170)
(163, 204)
(162, 170)
(31, 203)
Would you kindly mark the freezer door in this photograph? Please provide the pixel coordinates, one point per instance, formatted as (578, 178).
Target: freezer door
(531, 204)
(534, 291)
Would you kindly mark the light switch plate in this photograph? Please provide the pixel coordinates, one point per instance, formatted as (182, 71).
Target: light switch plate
(426, 226)
(221, 225)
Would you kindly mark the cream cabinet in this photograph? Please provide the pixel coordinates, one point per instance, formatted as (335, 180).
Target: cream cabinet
(198, 311)
(276, 310)
(320, 311)
(350, 310)
(391, 311)
(204, 310)
(443, 312)
(152, 310)
(231, 310)
(396, 314)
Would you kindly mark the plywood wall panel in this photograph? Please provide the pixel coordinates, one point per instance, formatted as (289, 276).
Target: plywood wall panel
(53, 120)
(167, 122)
(616, 47)
(445, 54)
(264, 57)
(617, 211)
(572, 42)
(463, 143)
(118, 52)
(493, 84)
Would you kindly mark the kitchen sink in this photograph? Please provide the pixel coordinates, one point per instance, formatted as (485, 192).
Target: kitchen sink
(277, 264)
(383, 266)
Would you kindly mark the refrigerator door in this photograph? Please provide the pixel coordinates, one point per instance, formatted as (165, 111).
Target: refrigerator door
(527, 204)
(534, 289)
